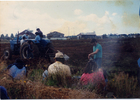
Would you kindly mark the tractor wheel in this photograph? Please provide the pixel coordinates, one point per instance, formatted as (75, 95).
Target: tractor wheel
(49, 48)
(7, 54)
(36, 52)
(24, 50)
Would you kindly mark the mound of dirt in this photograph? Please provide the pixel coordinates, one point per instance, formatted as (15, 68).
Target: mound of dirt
(35, 90)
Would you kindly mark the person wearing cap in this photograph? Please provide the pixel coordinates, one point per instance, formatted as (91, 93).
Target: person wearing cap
(97, 53)
(17, 70)
(39, 32)
(58, 71)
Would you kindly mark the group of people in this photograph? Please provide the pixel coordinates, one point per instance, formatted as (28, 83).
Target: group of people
(39, 36)
(38, 33)
(93, 73)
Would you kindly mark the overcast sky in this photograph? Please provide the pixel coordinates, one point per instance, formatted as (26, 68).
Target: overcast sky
(70, 17)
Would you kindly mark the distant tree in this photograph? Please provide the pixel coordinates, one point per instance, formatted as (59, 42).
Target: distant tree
(104, 36)
(6, 36)
(16, 35)
(12, 36)
(2, 36)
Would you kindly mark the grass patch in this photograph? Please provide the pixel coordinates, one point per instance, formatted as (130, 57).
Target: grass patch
(35, 74)
(122, 85)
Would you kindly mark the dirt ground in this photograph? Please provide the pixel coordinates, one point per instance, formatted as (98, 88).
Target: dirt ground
(114, 51)
(30, 89)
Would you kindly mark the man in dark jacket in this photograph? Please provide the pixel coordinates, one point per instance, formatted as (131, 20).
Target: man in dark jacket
(39, 32)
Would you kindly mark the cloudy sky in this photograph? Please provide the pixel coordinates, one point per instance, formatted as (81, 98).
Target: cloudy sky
(71, 17)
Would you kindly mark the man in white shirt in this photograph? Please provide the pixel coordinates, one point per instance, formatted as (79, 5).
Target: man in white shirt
(22, 41)
(58, 71)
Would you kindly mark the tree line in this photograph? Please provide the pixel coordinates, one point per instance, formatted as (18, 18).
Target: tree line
(7, 37)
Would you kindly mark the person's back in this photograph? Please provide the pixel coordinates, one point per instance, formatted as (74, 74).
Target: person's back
(58, 71)
(17, 73)
(91, 74)
(59, 68)
(92, 78)
(17, 70)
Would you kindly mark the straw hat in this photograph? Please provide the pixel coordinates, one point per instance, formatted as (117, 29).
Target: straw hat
(59, 54)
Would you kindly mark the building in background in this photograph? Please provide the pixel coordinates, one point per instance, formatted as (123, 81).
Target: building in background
(55, 34)
(30, 34)
(88, 35)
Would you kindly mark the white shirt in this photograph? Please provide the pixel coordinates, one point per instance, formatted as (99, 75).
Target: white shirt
(22, 41)
(59, 68)
(45, 74)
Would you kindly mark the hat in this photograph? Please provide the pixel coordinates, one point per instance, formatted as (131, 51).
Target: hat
(36, 33)
(59, 54)
(38, 29)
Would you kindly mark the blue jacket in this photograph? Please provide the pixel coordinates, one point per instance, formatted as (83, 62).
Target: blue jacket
(17, 70)
(3, 93)
(37, 39)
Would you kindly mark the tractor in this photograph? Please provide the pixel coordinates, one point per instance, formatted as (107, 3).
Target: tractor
(44, 49)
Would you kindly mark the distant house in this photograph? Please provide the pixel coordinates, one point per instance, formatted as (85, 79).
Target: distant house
(123, 36)
(99, 37)
(71, 37)
(137, 35)
(88, 35)
(58, 38)
(134, 35)
(112, 36)
(55, 35)
(30, 34)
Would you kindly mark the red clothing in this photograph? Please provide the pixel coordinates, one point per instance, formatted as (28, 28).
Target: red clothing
(92, 78)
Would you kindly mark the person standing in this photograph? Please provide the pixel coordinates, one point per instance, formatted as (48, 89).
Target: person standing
(97, 53)
(22, 41)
